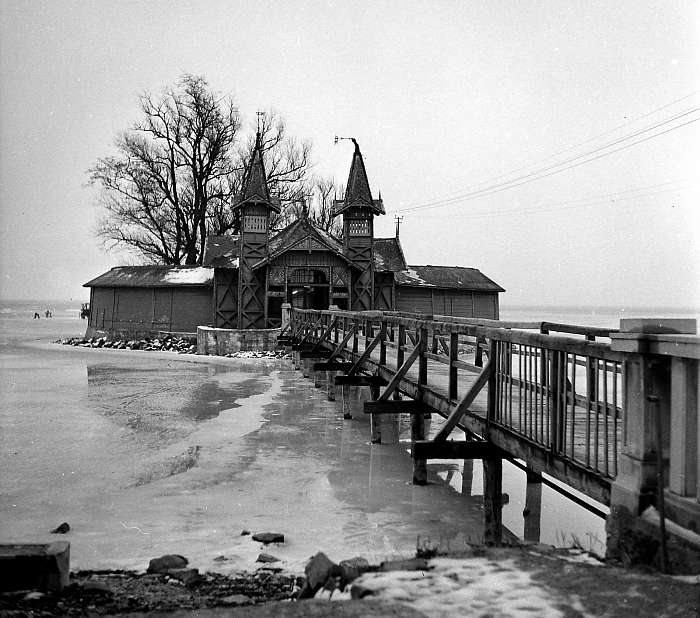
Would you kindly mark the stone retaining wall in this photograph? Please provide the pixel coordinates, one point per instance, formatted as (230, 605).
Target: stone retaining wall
(223, 341)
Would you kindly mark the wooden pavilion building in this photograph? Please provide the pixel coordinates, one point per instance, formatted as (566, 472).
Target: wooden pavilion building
(245, 278)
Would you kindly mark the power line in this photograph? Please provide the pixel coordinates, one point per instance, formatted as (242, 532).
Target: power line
(559, 206)
(473, 188)
(551, 170)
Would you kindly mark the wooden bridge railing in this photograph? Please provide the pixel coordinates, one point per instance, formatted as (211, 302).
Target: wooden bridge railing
(616, 419)
(552, 401)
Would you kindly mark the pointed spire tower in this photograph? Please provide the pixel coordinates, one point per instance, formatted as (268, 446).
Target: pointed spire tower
(255, 206)
(358, 210)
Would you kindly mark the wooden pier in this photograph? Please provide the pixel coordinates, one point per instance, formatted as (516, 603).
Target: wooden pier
(573, 404)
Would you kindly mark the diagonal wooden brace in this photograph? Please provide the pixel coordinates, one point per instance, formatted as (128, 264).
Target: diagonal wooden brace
(463, 405)
(343, 343)
(366, 353)
(398, 376)
(326, 334)
(311, 330)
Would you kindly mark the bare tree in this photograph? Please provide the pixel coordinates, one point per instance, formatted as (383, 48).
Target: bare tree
(313, 200)
(178, 170)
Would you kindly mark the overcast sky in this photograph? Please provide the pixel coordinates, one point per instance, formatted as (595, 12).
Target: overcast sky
(445, 98)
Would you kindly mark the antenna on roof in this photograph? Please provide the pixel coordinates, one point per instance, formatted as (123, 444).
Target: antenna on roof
(398, 224)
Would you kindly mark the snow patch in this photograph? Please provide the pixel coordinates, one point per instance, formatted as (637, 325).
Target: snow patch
(455, 587)
(189, 275)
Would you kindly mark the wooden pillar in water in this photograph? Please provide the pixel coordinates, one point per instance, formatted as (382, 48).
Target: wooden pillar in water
(532, 514)
(420, 466)
(493, 500)
(467, 477)
(375, 419)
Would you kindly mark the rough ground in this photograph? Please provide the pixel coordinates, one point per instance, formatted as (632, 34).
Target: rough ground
(528, 581)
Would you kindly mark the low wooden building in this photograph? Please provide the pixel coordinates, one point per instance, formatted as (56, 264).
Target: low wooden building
(245, 278)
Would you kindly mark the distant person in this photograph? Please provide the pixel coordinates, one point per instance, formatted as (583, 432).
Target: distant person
(47, 313)
(37, 316)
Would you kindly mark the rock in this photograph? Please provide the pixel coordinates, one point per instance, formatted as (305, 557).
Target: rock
(414, 564)
(236, 599)
(166, 563)
(353, 568)
(220, 559)
(269, 537)
(317, 570)
(96, 586)
(263, 557)
(360, 592)
(62, 529)
(245, 532)
(35, 595)
(189, 577)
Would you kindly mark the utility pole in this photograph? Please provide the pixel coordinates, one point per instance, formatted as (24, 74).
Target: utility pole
(398, 224)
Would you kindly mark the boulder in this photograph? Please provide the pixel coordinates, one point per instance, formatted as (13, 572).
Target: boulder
(189, 577)
(269, 537)
(353, 568)
(263, 557)
(318, 569)
(166, 563)
(61, 529)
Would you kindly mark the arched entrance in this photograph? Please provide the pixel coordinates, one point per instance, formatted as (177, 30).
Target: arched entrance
(308, 288)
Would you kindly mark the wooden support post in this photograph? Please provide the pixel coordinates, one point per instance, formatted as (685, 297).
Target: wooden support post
(375, 420)
(382, 343)
(355, 345)
(493, 500)
(479, 352)
(467, 477)
(369, 348)
(420, 465)
(454, 357)
(532, 514)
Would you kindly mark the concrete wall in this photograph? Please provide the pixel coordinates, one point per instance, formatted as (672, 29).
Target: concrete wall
(222, 341)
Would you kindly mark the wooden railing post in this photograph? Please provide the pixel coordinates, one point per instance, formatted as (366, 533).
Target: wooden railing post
(382, 343)
(422, 361)
(454, 356)
(557, 394)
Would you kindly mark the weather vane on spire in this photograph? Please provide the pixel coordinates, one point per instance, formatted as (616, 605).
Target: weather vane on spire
(352, 139)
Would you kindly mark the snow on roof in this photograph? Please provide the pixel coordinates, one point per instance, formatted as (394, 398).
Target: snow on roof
(193, 276)
(153, 276)
(449, 277)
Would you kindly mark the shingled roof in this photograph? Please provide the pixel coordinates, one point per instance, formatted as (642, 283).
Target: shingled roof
(448, 277)
(153, 277)
(221, 251)
(255, 189)
(357, 192)
(388, 255)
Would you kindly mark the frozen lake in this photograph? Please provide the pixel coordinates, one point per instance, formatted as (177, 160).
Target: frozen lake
(146, 453)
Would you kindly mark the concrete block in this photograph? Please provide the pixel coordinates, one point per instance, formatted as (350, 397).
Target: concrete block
(40, 566)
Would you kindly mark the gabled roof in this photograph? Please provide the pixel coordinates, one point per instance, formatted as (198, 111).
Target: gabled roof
(388, 255)
(449, 277)
(221, 251)
(255, 189)
(357, 192)
(153, 277)
(303, 234)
